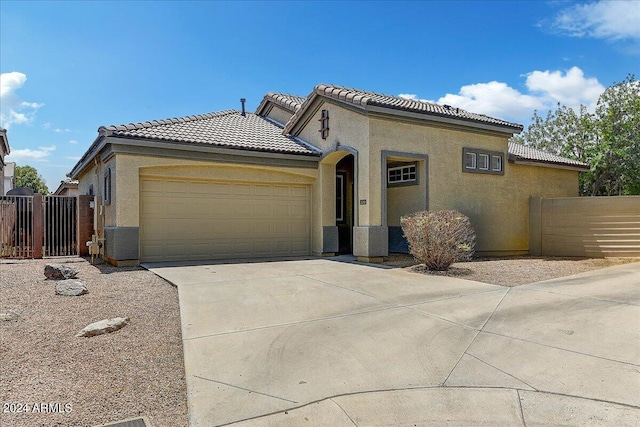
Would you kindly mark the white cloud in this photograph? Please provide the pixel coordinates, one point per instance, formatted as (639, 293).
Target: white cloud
(58, 130)
(14, 110)
(412, 97)
(42, 154)
(571, 88)
(494, 99)
(611, 20)
(73, 141)
(544, 90)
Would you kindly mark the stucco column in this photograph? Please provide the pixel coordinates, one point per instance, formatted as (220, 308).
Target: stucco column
(370, 235)
(327, 207)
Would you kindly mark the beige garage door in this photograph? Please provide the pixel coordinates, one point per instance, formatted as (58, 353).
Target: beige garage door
(187, 220)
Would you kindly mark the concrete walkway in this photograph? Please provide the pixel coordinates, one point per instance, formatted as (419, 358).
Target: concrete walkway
(327, 343)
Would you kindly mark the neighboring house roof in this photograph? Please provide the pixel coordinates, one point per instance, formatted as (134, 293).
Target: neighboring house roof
(370, 100)
(67, 183)
(519, 153)
(227, 128)
(291, 103)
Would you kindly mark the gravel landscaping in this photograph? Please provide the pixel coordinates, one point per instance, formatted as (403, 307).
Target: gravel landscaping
(136, 371)
(511, 271)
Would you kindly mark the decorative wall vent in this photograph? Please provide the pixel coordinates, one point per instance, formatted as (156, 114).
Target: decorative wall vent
(324, 124)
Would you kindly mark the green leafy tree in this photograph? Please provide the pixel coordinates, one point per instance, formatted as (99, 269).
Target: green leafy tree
(616, 164)
(608, 140)
(27, 176)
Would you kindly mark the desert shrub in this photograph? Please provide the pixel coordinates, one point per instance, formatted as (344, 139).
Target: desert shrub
(437, 239)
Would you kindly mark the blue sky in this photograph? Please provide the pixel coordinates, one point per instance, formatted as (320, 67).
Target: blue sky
(69, 67)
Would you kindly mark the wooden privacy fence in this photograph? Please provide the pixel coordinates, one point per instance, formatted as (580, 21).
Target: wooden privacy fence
(585, 226)
(37, 226)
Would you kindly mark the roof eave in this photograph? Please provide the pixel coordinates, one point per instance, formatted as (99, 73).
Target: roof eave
(545, 163)
(208, 146)
(91, 152)
(427, 116)
(458, 121)
(263, 105)
(298, 115)
(272, 98)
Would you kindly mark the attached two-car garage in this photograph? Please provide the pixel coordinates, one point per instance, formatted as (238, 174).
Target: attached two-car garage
(187, 219)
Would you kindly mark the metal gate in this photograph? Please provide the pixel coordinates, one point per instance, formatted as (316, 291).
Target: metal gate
(16, 227)
(37, 226)
(60, 226)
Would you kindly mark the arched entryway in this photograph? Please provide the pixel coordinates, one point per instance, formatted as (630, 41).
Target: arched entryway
(345, 203)
(337, 188)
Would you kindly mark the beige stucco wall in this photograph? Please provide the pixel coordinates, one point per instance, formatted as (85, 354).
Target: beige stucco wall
(94, 175)
(496, 204)
(351, 129)
(280, 115)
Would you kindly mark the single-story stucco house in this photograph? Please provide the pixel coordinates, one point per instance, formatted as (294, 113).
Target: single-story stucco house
(329, 173)
(68, 187)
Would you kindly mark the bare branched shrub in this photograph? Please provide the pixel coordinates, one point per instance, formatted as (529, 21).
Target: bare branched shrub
(437, 239)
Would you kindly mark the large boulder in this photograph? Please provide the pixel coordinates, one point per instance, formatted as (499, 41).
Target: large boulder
(103, 327)
(71, 287)
(60, 271)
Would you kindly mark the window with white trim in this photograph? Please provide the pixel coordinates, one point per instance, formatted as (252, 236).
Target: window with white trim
(470, 160)
(405, 174)
(496, 163)
(476, 160)
(483, 162)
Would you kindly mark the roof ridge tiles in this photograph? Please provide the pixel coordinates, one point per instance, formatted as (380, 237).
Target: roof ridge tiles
(285, 99)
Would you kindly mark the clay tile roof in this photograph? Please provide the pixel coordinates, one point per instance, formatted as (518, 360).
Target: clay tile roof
(365, 98)
(525, 153)
(228, 129)
(291, 103)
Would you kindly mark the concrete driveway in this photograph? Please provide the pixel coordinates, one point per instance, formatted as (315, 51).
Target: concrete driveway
(322, 342)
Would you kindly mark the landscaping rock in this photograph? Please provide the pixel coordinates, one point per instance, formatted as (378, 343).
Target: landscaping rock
(71, 287)
(60, 271)
(9, 316)
(103, 327)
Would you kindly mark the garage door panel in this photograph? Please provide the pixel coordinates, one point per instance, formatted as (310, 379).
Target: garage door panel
(299, 211)
(151, 185)
(263, 190)
(184, 220)
(242, 189)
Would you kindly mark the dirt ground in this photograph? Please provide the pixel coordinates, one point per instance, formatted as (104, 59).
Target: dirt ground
(136, 371)
(511, 271)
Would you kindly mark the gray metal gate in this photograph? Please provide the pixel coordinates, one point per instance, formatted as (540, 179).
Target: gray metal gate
(37, 226)
(60, 226)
